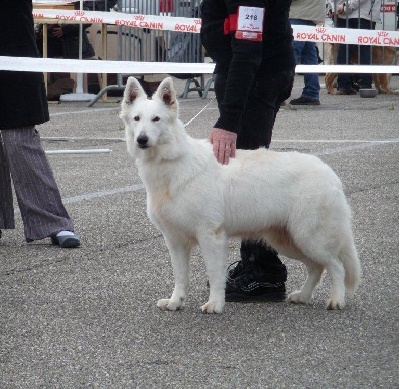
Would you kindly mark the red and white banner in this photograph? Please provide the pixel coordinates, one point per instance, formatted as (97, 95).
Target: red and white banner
(153, 22)
(346, 36)
(182, 24)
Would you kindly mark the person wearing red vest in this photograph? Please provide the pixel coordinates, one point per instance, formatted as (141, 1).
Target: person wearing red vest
(251, 43)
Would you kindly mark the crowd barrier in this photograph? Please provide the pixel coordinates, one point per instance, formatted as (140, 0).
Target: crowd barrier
(166, 41)
(181, 24)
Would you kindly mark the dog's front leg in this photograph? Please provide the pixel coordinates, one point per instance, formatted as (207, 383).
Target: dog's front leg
(215, 252)
(180, 255)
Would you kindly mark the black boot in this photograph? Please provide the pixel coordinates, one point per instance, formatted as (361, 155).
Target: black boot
(258, 276)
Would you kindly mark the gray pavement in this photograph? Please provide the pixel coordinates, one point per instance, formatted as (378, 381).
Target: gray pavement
(87, 318)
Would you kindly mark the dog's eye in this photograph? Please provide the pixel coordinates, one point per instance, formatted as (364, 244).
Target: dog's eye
(136, 118)
(156, 119)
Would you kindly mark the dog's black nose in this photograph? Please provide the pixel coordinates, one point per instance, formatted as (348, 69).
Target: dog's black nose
(142, 140)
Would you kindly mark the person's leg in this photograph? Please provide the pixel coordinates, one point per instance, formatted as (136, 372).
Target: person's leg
(42, 211)
(311, 80)
(306, 53)
(365, 79)
(265, 98)
(343, 58)
(6, 198)
(298, 47)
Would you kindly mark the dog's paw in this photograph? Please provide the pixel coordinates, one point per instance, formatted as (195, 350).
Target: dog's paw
(213, 307)
(332, 304)
(298, 298)
(169, 305)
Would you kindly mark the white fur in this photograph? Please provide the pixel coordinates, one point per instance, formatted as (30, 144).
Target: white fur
(294, 201)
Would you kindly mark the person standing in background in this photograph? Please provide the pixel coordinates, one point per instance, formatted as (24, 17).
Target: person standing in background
(23, 162)
(307, 13)
(355, 14)
(63, 39)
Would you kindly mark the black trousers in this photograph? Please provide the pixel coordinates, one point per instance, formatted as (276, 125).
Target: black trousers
(265, 98)
(255, 130)
(345, 80)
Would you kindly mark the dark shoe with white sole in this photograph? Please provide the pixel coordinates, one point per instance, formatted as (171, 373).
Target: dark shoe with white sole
(66, 241)
(346, 91)
(250, 283)
(303, 100)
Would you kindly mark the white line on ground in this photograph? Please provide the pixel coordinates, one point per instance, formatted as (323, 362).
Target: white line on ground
(73, 138)
(84, 151)
(85, 111)
(94, 195)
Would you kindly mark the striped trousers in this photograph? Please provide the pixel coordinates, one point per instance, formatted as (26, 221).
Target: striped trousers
(24, 163)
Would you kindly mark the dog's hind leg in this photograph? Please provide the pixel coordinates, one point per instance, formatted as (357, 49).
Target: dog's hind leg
(215, 251)
(180, 256)
(336, 271)
(304, 295)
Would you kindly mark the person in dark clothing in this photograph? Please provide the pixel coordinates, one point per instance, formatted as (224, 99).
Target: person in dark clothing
(63, 42)
(251, 44)
(354, 14)
(22, 159)
(63, 39)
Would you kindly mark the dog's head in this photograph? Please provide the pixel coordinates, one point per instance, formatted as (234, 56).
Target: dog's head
(148, 122)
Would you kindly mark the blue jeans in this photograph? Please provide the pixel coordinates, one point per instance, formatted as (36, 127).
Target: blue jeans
(345, 80)
(306, 54)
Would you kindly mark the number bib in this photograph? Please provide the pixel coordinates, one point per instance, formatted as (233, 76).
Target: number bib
(250, 23)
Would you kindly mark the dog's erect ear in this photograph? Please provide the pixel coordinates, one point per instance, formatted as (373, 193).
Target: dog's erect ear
(133, 91)
(166, 93)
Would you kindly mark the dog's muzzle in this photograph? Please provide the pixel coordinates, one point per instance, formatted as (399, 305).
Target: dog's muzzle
(142, 141)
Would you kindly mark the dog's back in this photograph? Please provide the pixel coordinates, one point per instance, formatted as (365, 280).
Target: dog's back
(278, 183)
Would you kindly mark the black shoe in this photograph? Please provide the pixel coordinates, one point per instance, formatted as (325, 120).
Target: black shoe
(303, 100)
(247, 284)
(66, 241)
(355, 86)
(237, 270)
(346, 91)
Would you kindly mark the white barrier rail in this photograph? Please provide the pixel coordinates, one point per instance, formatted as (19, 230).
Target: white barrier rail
(131, 67)
(182, 24)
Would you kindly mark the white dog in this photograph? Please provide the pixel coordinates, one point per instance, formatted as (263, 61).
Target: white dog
(293, 201)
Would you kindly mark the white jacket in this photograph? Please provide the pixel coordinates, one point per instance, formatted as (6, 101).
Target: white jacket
(363, 9)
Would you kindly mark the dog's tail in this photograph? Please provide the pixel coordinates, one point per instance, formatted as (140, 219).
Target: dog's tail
(349, 257)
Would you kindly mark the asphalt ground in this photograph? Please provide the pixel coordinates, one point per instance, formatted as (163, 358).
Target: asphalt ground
(87, 317)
